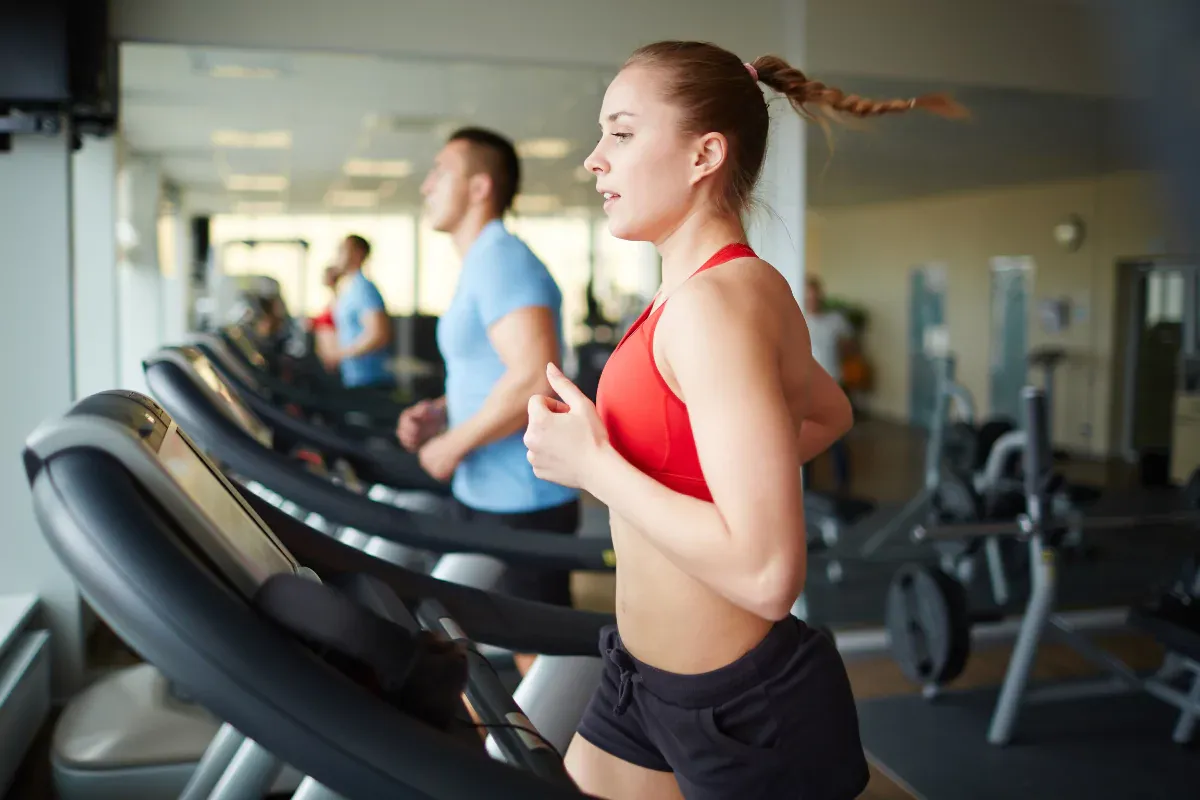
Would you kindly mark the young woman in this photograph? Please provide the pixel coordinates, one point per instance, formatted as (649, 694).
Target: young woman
(706, 411)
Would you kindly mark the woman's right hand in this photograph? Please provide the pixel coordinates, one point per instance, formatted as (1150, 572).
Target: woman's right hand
(419, 423)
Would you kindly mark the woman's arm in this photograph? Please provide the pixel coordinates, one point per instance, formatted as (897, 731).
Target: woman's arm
(829, 415)
(749, 544)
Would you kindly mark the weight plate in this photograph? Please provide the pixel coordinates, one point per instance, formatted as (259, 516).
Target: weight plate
(927, 621)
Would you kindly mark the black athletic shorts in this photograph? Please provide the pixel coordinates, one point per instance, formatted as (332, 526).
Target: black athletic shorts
(544, 585)
(780, 722)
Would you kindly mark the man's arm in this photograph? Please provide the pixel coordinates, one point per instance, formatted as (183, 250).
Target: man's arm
(377, 332)
(525, 340)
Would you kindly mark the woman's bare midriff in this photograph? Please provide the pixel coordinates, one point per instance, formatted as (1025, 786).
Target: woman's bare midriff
(671, 621)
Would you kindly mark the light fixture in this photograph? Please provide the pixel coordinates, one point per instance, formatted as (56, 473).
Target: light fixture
(235, 64)
(350, 198)
(548, 149)
(255, 207)
(256, 183)
(536, 203)
(377, 168)
(1069, 233)
(252, 140)
(240, 71)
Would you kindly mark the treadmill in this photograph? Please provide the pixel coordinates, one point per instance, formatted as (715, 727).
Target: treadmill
(174, 558)
(375, 413)
(374, 454)
(133, 728)
(178, 379)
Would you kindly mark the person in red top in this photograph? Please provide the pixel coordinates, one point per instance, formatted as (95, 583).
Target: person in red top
(705, 413)
(323, 327)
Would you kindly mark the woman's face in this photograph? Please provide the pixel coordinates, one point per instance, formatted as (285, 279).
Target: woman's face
(644, 164)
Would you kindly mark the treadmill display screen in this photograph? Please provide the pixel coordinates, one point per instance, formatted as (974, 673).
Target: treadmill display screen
(233, 405)
(247, 347)
(245, 552)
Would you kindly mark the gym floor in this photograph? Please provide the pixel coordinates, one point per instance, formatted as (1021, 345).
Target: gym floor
(883, 457)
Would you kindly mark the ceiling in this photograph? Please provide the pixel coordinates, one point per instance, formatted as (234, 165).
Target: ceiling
(294, 125)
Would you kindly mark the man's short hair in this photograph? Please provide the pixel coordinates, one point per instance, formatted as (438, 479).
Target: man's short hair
(494, 155)
(360, 244)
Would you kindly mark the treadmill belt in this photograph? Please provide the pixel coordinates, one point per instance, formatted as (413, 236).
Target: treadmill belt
(1096, 748)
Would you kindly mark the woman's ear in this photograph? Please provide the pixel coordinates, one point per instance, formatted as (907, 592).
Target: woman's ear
(710, 153)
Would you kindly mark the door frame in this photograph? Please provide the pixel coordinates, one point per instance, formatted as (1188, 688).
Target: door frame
(1130, 271)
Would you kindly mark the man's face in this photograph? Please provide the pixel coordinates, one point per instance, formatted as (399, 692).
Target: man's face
(447, 187)
(348, 257)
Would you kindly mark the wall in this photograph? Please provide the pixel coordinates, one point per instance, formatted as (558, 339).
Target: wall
(865, 253)
(94, 248)
(1035, 44)
(36, 324)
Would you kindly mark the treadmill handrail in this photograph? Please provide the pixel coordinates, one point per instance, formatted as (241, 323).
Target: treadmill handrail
(491, 618)
(230, 445)
(306, 399)
(393, 467)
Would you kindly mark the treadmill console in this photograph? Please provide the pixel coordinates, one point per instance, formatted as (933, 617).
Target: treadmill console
(149, 444)
(230, 403)
(244, 544)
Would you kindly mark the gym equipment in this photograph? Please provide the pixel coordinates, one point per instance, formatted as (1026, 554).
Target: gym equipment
(176, 560)
(950, 394)
(1172, 619)
(374, 455)
(927, 624)
(374, 411)
(175, 383)
(100, 747)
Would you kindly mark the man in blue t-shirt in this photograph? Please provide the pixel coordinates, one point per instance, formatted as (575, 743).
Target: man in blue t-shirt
(501, 329)
(362, 323)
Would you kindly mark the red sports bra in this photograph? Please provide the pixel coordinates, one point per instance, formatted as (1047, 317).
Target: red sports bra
(646, 422)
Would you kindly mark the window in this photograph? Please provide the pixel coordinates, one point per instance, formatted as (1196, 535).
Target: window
(627, 273)
(562, 245)
(299, 270)
(439, 268)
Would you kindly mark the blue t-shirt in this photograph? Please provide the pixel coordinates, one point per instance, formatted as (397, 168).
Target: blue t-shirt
(500, 274)
(355, 298)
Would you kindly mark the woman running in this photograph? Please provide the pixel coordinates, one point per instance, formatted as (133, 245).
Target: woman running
(705, 414)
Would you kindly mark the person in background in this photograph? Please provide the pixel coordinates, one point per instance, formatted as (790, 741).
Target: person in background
(831, 335)
(364, 329)
(323, 328)
(501, 329)
(271, 319)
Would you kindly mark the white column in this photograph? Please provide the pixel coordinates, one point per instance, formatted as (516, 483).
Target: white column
(139, 280)
(94, 227)
(175, 271)
(777, 232)
(36, 359)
